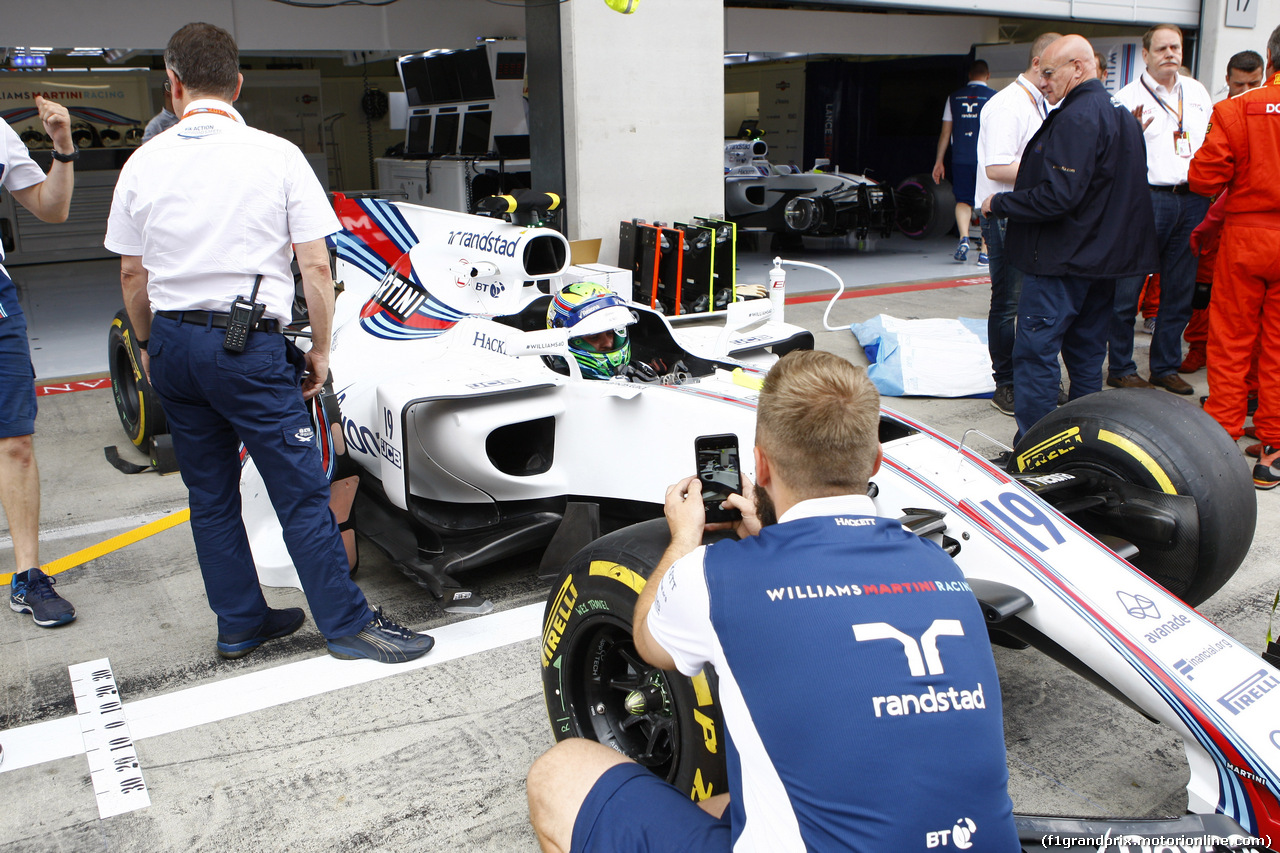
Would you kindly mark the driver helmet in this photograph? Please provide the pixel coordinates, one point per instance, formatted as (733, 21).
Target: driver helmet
(588, 309)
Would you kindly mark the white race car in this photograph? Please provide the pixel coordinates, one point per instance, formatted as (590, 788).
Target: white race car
(475, 436)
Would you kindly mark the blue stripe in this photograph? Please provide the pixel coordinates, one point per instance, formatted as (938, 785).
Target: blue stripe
(392, 223)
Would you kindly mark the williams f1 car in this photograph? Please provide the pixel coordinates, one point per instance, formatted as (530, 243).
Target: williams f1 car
(1112, 517)
(790, 204)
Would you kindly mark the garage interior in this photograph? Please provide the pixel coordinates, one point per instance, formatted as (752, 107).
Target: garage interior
(625, 116)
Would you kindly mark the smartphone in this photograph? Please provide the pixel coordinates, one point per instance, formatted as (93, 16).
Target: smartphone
(719, 473)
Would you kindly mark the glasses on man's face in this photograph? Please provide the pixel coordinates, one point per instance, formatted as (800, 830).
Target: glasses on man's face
(1047, 73)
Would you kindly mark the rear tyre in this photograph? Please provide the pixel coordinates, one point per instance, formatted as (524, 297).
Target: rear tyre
(925, 209)
(597, 686)
(1155, 440)
(136, 401)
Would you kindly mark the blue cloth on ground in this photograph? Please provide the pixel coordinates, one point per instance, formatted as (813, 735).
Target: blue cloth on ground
(939, 357)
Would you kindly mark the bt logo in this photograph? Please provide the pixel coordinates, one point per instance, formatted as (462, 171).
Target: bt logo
(960, 834)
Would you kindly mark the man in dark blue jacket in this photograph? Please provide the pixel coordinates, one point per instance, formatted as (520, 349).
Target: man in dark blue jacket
(1079, 218)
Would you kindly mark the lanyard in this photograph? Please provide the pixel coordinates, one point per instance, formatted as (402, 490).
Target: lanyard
(1035, 102)
(213, 110)
(1163, 105)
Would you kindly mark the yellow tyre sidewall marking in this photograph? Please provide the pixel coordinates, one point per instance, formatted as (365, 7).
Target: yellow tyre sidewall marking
(618, 572)
(1143, 457)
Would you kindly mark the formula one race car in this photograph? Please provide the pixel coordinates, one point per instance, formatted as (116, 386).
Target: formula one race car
(1113, 516)
(469, 424)
(790, 204)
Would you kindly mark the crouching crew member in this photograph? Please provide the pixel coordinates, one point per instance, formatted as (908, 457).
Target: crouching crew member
(200, 214)
(1240, 154)
(841, 706)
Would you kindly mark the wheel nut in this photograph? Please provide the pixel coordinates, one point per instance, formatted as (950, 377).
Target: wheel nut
(600, 708)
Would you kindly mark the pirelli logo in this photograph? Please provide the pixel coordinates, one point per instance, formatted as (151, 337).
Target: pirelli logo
(1257, 109)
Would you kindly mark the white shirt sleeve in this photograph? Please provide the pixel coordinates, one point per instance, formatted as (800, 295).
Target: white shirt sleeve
(310, 214)
(124, 236)
(20, 171)
(999, 138)
(946, 109)
(680, 619)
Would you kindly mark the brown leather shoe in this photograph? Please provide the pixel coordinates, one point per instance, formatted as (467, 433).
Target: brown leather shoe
(1173, 382)
(1133, 380)
(1254, 450)
(1194, 361)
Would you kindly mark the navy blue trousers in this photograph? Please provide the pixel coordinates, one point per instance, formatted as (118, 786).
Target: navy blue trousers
(1176, 217)
(213, 400)
(1006, 287)
(1064, 314)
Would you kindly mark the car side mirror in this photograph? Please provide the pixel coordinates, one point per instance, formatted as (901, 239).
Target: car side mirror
(740, 316)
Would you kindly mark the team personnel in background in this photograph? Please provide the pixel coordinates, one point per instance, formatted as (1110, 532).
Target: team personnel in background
(48, 197)
(1009, 119)
(812, 736)
(960, 123)
(1079, 218)
(1102, 66)
(1239, 155)
(201, 216)
(1174, 111)
(1244, 72)
(163, 120)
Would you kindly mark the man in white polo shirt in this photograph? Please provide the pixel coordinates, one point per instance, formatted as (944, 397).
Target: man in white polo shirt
(1174, 111)
(206, 214)
(1009, 119)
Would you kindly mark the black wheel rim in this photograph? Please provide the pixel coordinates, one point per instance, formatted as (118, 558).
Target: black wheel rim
(126, 389)
(602, 669)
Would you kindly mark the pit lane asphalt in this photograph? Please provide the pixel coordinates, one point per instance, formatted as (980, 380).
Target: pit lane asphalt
(434, 758)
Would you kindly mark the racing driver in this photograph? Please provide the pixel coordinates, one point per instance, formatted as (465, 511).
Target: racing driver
(598, 319)
(855, 674)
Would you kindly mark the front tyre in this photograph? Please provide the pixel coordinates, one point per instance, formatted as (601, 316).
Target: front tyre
(136, 401)
(1165, 445)
(597, 686)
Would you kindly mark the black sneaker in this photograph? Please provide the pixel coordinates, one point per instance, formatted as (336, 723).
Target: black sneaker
(1002, 400)
(1266, 476)
(382, 640)
(276, 624)
(32, 592)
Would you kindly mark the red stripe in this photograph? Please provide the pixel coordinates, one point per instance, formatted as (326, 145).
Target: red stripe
(892, 288)
(47, 388)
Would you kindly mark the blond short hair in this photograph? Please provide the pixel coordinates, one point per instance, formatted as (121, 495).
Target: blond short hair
(818, 418)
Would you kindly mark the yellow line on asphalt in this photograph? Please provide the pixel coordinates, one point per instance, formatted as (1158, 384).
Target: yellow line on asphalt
(115, 543)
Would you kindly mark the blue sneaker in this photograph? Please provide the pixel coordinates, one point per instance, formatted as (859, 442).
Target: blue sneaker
(32, 592)
(382, 640)
(276, 624)
(962, 251)
(983, 260)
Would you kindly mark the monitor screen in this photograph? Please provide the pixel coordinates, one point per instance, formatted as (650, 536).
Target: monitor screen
(443, 71)
(417, 84)
(475, 133)
(445, 140)
(473, 74)
(418, 139)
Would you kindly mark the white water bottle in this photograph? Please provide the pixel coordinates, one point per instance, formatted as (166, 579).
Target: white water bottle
(778, 289)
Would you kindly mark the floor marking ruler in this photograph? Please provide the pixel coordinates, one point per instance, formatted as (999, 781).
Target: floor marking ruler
(113, 759)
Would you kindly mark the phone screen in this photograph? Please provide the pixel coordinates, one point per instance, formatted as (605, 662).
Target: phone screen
(719, 473)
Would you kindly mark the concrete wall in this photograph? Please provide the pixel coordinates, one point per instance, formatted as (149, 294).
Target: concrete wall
(853, 34)
(1218, 42)
(643, 113)
(1183, 12)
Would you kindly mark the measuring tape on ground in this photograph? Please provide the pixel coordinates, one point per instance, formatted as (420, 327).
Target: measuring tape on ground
(113, 759)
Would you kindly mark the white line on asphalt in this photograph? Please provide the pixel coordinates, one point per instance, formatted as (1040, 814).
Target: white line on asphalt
(92, 528)
(26, 746)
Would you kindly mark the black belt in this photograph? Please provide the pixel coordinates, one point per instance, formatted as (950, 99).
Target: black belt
(216, 319)
(1176, 189)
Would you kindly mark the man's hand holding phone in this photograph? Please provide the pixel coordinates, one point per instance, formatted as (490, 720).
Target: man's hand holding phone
(745, 503)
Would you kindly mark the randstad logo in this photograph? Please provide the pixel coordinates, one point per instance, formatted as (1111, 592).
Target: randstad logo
(922, 659)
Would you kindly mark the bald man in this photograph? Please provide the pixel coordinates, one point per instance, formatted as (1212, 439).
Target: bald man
(1079, 218)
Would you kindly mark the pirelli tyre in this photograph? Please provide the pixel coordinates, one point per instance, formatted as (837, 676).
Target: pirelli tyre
(598, 687)
(136, 401)
(925, 209)
(1193, 517)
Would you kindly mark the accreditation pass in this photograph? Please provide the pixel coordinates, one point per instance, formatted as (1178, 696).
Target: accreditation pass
(113, 759)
